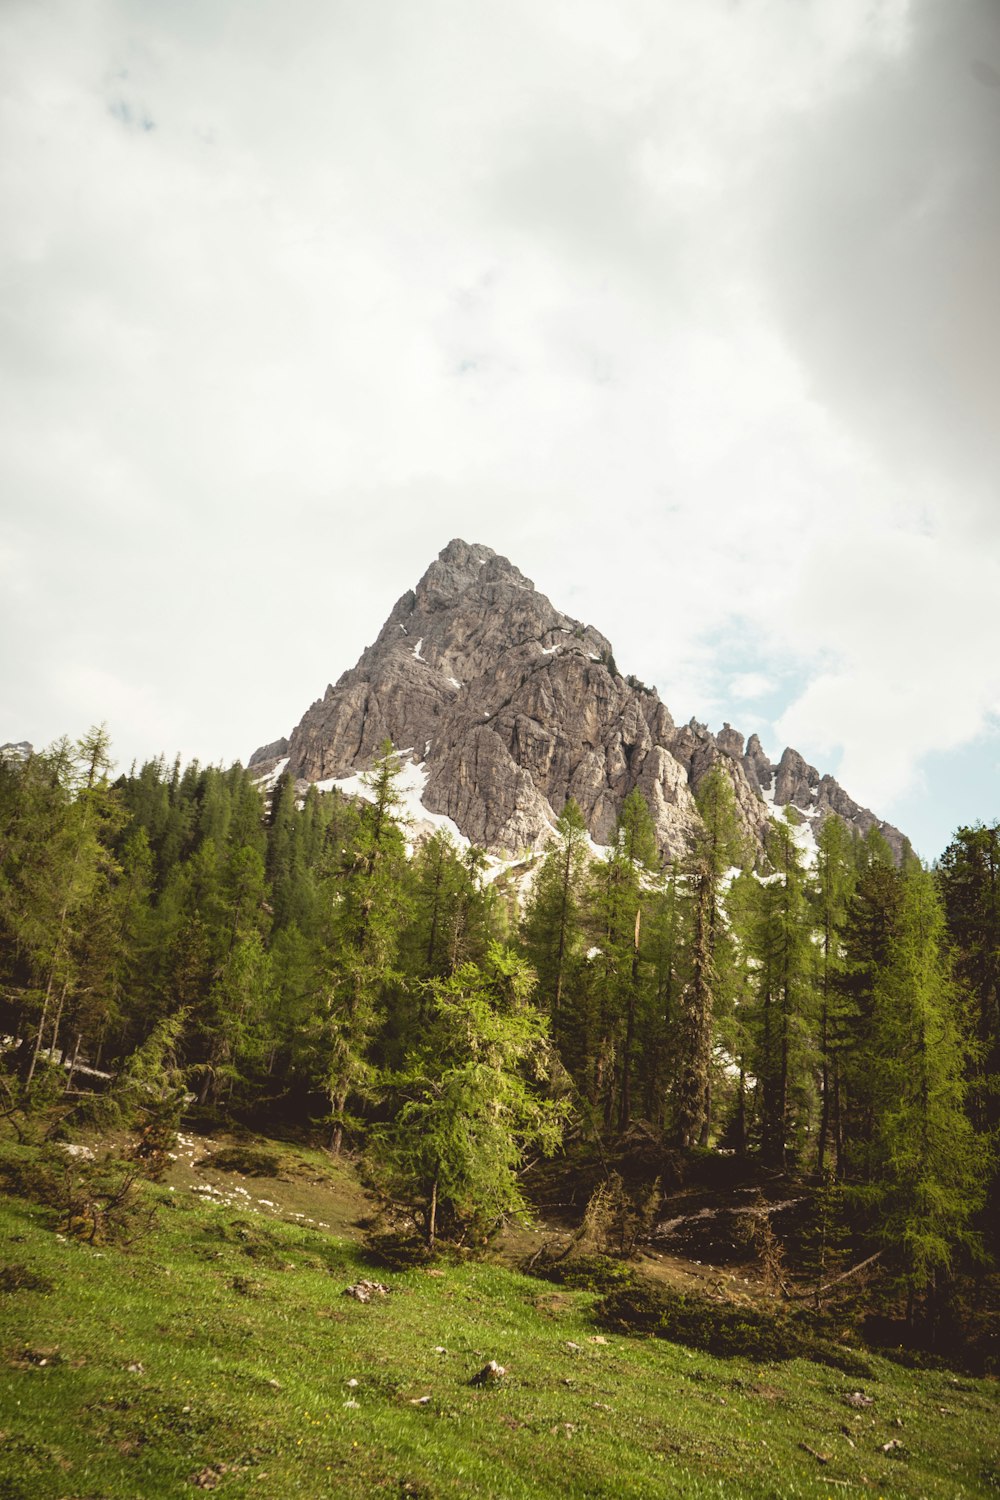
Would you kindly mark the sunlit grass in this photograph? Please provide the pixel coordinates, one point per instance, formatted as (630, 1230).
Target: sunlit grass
(219, 1353)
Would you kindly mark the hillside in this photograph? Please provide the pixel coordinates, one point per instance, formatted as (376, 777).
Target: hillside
(219, 1352)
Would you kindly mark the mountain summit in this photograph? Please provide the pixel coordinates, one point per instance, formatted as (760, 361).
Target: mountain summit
(510, 707)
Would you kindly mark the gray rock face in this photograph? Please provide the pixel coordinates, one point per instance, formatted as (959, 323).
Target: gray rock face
(269, 753)
(512, 707)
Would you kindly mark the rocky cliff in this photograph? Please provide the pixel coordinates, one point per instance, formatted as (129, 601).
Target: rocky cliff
(511, 707)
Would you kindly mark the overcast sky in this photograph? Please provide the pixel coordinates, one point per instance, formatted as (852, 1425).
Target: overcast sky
(691, 310)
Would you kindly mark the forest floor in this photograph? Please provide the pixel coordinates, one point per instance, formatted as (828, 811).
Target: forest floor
(219, 1352)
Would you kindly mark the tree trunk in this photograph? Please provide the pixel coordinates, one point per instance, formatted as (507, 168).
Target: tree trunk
(432, 1216)
(41, 1029)
(72, 1066)
(339, 1103)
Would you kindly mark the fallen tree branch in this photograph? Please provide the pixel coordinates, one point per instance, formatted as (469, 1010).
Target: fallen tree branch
(844, 1276)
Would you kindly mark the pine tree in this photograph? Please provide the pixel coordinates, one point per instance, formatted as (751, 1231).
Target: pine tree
(369, 909)
(781, 945)
(619, 889)
(716, 847)
(925, 1164)
(969, 878)
(666, 944)
(469, 1102)
(831, 889)
(869, 932)
(552, 929)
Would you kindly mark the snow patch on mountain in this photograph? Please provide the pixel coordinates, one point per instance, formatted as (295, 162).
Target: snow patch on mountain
(410, 785)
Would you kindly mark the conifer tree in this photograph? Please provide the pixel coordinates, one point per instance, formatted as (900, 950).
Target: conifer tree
(552, 928)
(666, 943)
(369, 908)
(469, 1102)
(782, 947)
(925, 1166)
(619, 889)
(869, 931)
(969, 878)
(716, 847)
(832, 886)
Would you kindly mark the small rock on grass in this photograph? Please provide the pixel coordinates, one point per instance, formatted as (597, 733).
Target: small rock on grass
(364, 1290)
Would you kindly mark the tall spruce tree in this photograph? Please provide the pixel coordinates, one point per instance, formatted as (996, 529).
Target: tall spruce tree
(925, 1166)
(969, 879)
(619, 890)
(830, 891)
(469, 1102)
(783, 950)
(369, 903)
(552, 928)
(716, 847)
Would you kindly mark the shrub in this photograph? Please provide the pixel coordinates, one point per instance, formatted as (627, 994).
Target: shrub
(587, 1273)
(727, 1329)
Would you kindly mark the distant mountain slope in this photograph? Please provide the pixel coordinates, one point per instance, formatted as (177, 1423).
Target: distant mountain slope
(510, 706)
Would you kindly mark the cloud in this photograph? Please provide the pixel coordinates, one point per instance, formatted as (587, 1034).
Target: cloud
(881, 247)
(687, 309)
(749, 686)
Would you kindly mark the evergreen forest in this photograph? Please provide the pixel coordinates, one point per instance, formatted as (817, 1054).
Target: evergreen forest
(179, 938)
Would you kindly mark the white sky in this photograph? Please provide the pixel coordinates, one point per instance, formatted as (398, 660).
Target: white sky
(693, 311)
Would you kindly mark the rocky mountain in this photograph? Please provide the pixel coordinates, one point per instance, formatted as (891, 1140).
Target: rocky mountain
(508, 707)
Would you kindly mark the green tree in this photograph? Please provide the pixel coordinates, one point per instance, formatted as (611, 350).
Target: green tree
(369, 906)
(717, 846)
(782, 947)
(925, 1164)
(868, 937)
(64, 893)
(552, 931)
(830, 892)
(621, 887)
(969, 879)
(468, 1104)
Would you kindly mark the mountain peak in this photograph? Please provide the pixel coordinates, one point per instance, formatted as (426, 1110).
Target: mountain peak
(462, 568)
(510, 707)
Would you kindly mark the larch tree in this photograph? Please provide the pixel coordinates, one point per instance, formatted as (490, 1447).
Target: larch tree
(370, 901)
(470, 1101)
(717, 846)
(926, 1165)
(620, 889)
(830, 890)
(783, 950)
(552, 928)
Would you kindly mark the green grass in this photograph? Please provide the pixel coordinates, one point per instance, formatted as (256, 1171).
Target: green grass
(241, 1346)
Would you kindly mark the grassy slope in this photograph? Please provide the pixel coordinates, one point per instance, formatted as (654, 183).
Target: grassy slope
(242, 1347)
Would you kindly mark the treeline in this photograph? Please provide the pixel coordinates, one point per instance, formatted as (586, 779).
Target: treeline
(837, 1019)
